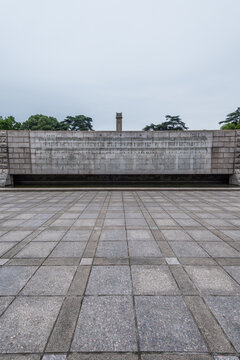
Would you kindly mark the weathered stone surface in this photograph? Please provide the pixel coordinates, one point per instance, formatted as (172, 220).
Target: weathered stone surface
(106, 323)
(165, 324)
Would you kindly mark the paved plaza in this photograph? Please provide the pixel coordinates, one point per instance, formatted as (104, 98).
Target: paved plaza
(122, 275)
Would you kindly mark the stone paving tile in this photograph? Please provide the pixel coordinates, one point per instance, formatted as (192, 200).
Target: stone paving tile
(109, 280)
(174, 235)
(203, 235)
(176, 356)
(27, 323)
(165, 324)
(106, 323)
(143, 248)
(212, 280)
(49, 235)
(5, 246)
(20, 357)
(15, 235)
(217, 249)
(233, 234)
(13, 278)
(153, 280)
(4, 302)
(54, 357)
(139, 235)
(50, 280)
(86, 261)
(113, 235)
(112, 249)
(69, 249)
(172, 261)
(36, 249)
(226, 310)
(77, 235)
(234, 271)
(103, 356)
(187, 249)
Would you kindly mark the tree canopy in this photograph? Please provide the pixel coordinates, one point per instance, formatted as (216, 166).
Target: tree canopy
(42, 122)
(9, 123)
(78, 123)
(171, 123)
(232, 121)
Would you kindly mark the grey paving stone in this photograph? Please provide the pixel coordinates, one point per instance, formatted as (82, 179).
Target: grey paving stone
(176, 356)
(175, 235)
(140, 223)
(188, 222)
(61, 337)
(206, 322)
(50, 235)
(225, 357)
(203, 235)
(36, 250)
(5, 246)
(50, 280)
(3, 261)
(109, 280)
(113, 235)
(217, 249)
(77, 235)
(234, 271)
(103, 356)
(106, 323)
(20, 357)
(85, 222)
(187, 249)
(153, 280)
(13, 278)
(139, 235)
(226, 310)
(112, 249)
(15, 236)
(172, 261)
(54, 357)
(233, 234)
(111, 261)
(69, 249)
(185, 284)
(86, 261)
(35, 318)
(212, 280)
(165, 324)
(143, 248)
(165, 222)
(114, 222)
(79, 282)
(4, 302)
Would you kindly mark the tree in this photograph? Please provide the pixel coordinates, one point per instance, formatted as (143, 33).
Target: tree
(78, 123)
(171, 123)
(232, 121)
(9, 123)
(42, 122)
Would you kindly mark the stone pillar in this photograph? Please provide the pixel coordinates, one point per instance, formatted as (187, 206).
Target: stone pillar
(4, 172)
(235, 178)
(118, 121)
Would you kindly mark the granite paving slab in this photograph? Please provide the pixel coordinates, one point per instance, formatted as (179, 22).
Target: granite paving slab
(165, 324)
(13, 278)
(106, 323)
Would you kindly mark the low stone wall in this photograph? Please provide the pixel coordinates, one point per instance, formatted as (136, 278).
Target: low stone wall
(126, 153)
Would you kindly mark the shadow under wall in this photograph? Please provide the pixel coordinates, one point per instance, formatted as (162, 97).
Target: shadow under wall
(115, 180)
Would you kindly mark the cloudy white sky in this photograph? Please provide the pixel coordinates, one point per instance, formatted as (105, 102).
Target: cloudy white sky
(146, 58)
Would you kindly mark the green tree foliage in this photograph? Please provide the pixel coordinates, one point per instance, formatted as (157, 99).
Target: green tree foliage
(78, 123)
(232, 121)
(9, 123)
(42, 122)
(171, 123)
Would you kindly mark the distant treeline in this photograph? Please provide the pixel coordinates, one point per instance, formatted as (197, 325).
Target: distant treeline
(84, 123)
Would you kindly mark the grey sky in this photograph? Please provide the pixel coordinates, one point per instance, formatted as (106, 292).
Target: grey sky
(146, 58)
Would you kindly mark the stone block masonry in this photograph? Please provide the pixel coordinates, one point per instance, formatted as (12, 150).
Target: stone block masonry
(120, 153)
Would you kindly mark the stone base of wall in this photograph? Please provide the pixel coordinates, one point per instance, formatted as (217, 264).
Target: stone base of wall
(120, 180)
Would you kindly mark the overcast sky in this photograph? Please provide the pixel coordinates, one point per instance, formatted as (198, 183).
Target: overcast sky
(145, 58)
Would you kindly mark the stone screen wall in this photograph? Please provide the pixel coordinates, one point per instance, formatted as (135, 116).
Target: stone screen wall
(128, 152)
